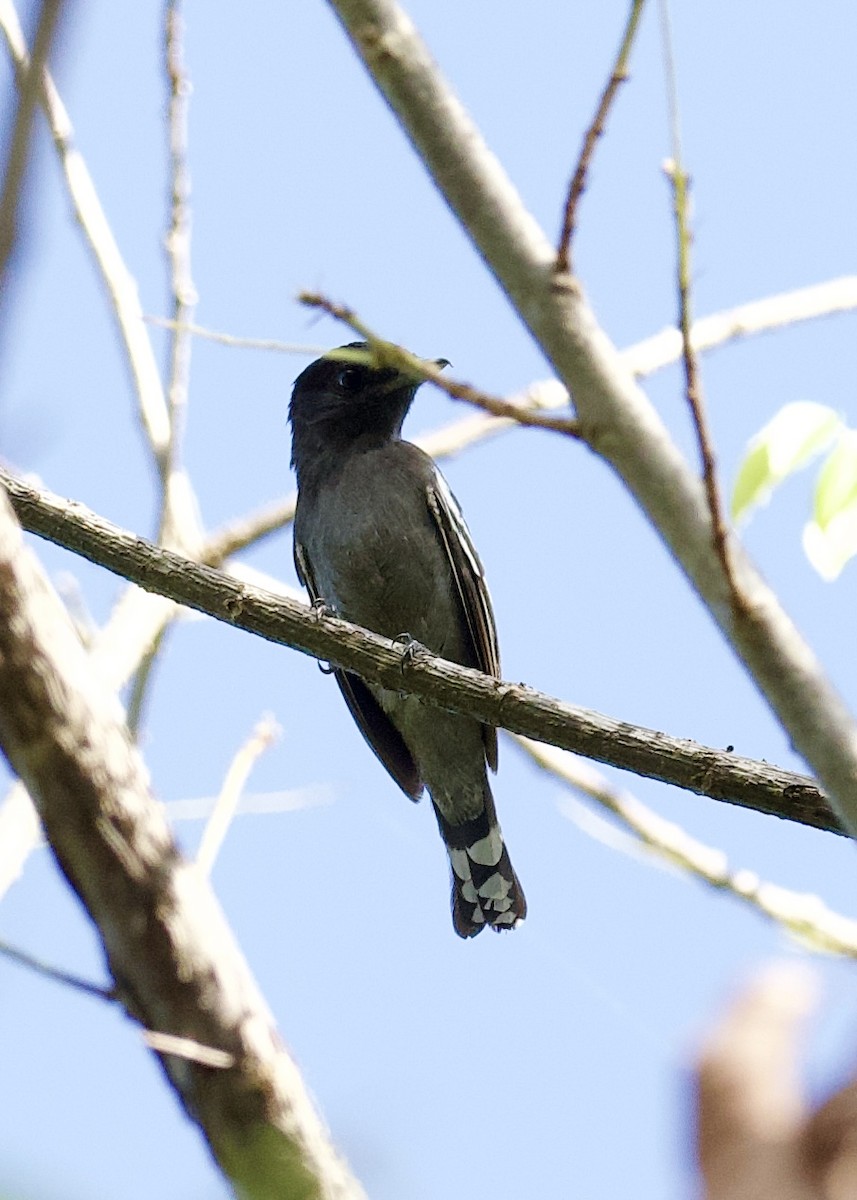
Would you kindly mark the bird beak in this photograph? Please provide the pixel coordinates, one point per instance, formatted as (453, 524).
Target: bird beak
(440, 363)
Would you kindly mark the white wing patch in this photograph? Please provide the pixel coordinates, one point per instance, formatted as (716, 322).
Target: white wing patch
(460, 527)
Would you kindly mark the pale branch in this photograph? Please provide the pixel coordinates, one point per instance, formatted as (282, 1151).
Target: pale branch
(232, 340)
(717, 774)
(226, 802)
(18, 155)
(596, 130)
(120, 284)
(645, 357)
(805, 917)
(615, 417)
(746, 320)
(177, 241)
(175, 964)
(242, 532)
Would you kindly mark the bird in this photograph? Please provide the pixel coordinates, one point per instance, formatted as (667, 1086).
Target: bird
(380, 541)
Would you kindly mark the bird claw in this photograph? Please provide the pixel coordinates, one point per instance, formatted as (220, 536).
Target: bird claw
(411, 649)
(321, 608)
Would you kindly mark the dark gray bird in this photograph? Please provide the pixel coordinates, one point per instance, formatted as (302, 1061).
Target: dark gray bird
(379, 538)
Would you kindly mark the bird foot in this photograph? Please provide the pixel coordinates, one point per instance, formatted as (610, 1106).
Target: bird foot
(411, 649)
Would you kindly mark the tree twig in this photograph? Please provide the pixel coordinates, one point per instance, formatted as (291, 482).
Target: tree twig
(230, 793)
(177, 241)
(230, 339)
(120, 284)
(805, 917)
(29, 77)
(520, 709)
(596, 129)
(54, 973)
(680, 182)
(494, 405)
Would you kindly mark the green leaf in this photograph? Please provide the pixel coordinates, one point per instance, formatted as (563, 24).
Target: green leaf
(790, 439)
(836, 488)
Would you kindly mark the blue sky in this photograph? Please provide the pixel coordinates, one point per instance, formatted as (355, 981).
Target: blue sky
(508, 1066)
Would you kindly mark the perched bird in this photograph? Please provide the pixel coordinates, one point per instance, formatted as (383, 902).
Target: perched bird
(379, 538)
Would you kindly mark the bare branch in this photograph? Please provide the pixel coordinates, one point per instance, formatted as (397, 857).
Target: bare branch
(29, 78)
(226, 803)
(578, 181)
(759, 316)
(177, 241)
(392, 353)
(805, 917)
(240, 343)
(120, 284)
(176, 966)
(520, 709)
(680, 182)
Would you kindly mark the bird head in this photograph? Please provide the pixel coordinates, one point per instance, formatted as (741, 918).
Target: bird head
(346, 398)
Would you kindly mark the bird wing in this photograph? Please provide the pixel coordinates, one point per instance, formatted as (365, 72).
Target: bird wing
(471, 587)
(377, 728)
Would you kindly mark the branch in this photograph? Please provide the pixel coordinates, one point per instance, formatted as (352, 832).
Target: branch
(758, 1134)
(680, 182)
(393, 354)
(614, 416)
(596, 130)
(805, 917)
(177, 241)
(120, 284)
(168, 947)
(643, 358)
(29, 79)
(520, 709)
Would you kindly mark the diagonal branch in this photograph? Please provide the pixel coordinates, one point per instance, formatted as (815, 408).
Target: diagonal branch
(680, 182)
(120, 284)
(393, 354)
(596, 130)
(804, 916)
(18, 156)
(170, 952)
(520, 709)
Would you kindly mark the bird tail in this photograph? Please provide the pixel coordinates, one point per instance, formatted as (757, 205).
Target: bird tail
(485, 888)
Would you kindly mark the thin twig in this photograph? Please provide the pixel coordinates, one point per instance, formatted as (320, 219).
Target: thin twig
(54, 973)
(29, 79)
(578, 182)
(226, 803)
(229, 339)
(520, 709)
(143, 676)
(392, 354)
(693, 385)
(178, 524)
(802, 915)
(188, 1049)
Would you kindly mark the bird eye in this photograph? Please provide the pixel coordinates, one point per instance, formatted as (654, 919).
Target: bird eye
(349, 378)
